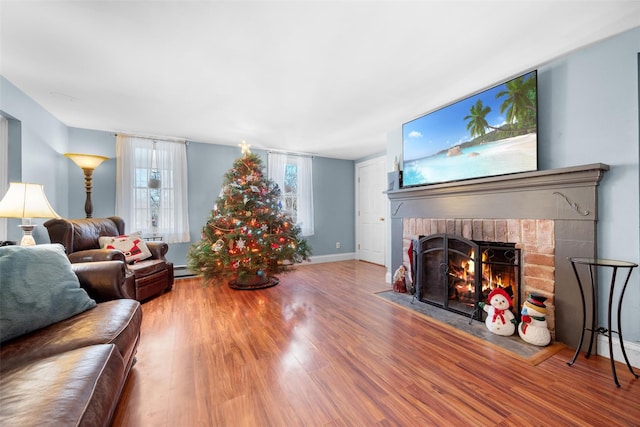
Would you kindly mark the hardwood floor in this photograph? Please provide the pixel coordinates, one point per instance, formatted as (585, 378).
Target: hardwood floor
(320, 349)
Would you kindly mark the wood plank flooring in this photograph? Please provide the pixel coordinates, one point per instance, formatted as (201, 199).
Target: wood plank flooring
(320, 349)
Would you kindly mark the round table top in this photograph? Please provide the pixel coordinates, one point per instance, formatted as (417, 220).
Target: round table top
(602, 262)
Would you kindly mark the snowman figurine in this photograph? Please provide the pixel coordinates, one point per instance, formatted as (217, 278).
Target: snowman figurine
(500, 320)
(533, 325)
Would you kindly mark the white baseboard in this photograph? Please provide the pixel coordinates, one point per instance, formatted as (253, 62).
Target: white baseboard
(329, 258)
(631, 348)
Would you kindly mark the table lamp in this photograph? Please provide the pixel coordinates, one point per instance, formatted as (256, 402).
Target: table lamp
(88, 163)
(26, 201)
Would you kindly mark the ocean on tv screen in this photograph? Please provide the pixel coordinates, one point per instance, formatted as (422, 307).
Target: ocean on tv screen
(502, 157)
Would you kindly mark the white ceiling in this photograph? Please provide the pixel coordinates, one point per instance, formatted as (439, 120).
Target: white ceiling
(330, 78)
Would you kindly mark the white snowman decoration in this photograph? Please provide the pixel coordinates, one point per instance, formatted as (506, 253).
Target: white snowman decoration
(533, 324)
(500, 320)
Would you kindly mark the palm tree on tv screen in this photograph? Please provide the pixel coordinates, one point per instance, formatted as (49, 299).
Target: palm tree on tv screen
(519, 103)
(477, 123)
(520, 107)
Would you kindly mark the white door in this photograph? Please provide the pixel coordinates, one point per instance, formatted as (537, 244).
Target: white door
(371, 210)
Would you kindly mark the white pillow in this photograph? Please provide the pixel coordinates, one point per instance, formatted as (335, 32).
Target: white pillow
(132, 246)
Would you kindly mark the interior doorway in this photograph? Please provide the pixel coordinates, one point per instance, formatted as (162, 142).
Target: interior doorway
(371, 210)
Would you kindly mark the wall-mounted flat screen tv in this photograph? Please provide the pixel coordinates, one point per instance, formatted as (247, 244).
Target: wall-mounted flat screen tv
(493, 132)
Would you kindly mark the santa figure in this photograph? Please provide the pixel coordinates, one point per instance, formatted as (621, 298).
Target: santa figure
(500, 320)
(399, 280)
(533, 325)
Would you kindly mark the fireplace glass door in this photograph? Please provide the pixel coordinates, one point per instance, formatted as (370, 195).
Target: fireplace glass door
(446, 266)
(455, 273)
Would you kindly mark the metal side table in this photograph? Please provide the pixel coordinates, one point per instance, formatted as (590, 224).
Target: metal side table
(592, 264)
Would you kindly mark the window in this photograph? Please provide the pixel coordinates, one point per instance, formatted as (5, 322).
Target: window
(293, 174)
(290, 191)
(151, 192)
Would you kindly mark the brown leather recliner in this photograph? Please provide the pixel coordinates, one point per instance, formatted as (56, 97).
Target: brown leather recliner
(72, 372)
(80, 237)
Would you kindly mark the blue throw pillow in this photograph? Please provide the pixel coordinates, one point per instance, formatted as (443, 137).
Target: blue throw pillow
(37, 288)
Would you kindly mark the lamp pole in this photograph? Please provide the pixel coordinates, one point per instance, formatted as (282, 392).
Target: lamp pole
(88, 205)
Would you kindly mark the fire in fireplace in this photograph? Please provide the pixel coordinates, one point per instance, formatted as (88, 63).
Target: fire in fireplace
(455, 273)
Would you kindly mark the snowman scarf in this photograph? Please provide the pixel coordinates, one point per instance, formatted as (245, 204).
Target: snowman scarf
(526, 319)
(498, 312)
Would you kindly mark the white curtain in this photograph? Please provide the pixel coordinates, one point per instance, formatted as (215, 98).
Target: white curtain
(276, 167)
(305, 195)
(4, 169)
(133, 202)
(125, 179)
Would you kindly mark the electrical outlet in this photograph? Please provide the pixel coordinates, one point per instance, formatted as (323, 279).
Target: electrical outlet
(337, 245)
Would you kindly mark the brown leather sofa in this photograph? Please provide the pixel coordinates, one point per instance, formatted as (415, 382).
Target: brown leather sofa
(80, 237)
(72, 373)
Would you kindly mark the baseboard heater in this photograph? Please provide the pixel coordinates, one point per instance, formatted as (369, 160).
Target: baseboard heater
(181, 271)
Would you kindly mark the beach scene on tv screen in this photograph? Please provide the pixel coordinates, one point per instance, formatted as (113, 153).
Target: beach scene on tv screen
(491, 133)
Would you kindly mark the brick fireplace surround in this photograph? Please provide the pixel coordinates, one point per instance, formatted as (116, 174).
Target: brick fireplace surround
(550, 215)
(535, 239)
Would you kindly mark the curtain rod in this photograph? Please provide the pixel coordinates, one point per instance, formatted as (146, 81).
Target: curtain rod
(289, 153)
(154, 138)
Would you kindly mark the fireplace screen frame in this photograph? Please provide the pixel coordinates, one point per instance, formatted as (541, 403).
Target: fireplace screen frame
(436, 272)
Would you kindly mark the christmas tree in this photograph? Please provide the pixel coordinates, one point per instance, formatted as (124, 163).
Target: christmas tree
(247, 238)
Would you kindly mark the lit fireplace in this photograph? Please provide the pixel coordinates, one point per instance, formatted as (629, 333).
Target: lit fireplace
(455, 273)
(550, 215)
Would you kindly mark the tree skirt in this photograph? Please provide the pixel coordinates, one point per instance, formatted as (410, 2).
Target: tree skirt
(271, 281)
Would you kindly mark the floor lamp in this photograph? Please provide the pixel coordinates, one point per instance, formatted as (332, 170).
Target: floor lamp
(26, 201)
(88, 163)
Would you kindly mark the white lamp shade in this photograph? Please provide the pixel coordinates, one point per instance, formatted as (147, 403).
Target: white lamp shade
(25, 200)
(86, 161)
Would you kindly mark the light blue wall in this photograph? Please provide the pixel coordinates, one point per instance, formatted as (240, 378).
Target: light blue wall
(207, 163)
(588, 113)
(43, 139)
(334, 206)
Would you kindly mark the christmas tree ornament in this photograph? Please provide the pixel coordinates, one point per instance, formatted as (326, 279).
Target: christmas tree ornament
(240, 243)
(245, 148)
(217, 247)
